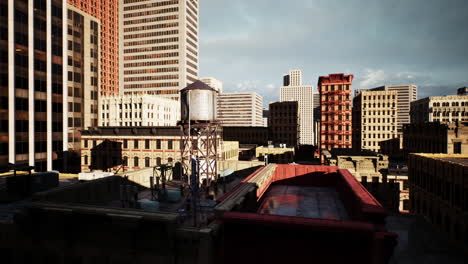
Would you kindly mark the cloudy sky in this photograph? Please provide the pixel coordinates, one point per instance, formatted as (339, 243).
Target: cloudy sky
(250, 44)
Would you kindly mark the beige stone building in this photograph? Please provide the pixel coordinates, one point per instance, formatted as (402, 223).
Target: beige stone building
(240, 109)
(375, 119)
(83, 75)
(449, 138)
(127, 149)
(438, 191)
(445, 109)
(138, 110)
(406, 95)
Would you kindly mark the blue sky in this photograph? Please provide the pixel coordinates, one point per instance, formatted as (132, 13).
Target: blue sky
(250, 44)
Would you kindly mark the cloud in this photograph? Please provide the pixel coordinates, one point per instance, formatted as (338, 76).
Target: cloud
(249, 45)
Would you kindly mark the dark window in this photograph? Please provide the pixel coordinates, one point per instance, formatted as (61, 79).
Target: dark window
(21, 125)
(158, 161)
(125, 161)
(135, 162)
(94, 143)
(21, 147)
(86, 159)
(406, 204)
(158, 144)
(169, 144)
(135, 144)
(147, 162)
(21, 104)
(85, 143)
(125, 144)
(457, 148)
(147, 143)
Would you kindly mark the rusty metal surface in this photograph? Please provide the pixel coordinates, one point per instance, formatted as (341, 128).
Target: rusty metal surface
(303, 201)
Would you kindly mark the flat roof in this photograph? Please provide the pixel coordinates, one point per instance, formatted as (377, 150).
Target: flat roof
(460, 159)
(303, 201)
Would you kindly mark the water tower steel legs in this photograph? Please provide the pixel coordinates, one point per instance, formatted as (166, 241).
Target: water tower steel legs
(200, 140)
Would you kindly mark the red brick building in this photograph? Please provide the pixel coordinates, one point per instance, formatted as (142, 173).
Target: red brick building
(335, 107)
(108, 13)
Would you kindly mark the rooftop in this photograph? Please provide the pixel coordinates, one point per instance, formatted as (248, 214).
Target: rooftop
(460, 159)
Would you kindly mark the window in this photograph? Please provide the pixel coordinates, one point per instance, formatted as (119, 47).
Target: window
(147, 162)
(125, 161)
(158, 144)
(406, 204)
(135, 144)
(158, 161)
(135, 162)
(94, 143)
(85, 143)
(457, 148)
(147, 144)
(125, 143)
(86, 159)
(169, 144)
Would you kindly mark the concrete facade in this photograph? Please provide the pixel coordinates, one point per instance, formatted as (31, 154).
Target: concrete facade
(294, 90)
(158, 46)
(406, 95)
(444, 109)
(438, 190)
(240, 109)
(374, 119)
(138, 110)
(335, 110)
(107, 12)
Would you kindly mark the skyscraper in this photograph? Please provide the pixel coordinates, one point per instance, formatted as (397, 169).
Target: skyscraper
(33, 103)
(107, 12)
(294, 90)
(158, 46)
(406, 95)
(335, 108)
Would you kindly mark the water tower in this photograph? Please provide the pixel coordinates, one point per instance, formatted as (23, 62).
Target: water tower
(200, 133)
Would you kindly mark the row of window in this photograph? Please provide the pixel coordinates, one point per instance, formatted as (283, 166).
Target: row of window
(145, 71)
(151, 41)
(151, 78)
(152, 56)
(149, 49)
(150, 27)
(151, 19)
(151, 34)
(155, 85)
(150, 5)
(437, 104)
(136, 143)
(136, 161)
(151, 12)
(379, 97)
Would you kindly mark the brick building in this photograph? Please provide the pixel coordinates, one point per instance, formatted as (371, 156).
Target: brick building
(335, 108)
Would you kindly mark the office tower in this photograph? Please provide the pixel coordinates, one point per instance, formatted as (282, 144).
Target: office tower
(374, 119)
(450, 108)
(406, 95)
(335, 108)
(294, 90)
(240, 109)
(158, 46)
(283, 123)
(138, 110)
(106, 11)
(213, 83)
(33, 108)
(83, 37)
